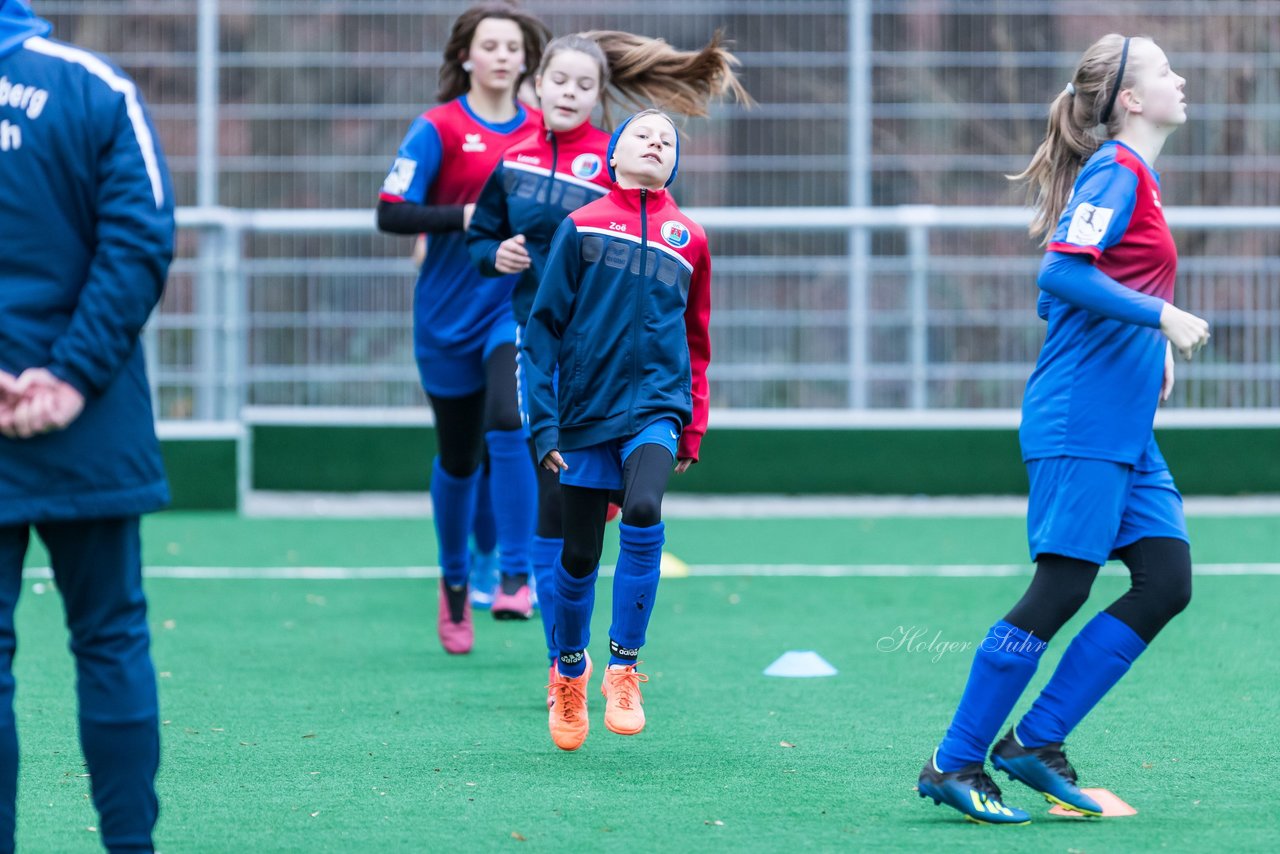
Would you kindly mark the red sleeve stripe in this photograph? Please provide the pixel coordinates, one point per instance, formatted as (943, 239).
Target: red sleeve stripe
(1073, 249)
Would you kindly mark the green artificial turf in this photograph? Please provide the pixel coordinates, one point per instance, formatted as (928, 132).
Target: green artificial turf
(322, 716)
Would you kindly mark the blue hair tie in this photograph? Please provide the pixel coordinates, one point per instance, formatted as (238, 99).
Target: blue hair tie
(613, 143)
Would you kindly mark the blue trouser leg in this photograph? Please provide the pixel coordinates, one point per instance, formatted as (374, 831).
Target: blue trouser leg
(97, 566)
(13, 547)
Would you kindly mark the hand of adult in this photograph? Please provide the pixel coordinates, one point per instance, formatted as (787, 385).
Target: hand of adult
(44, 403)
(9, 398)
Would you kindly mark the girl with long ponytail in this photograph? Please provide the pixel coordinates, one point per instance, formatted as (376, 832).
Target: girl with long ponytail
(1100, 489)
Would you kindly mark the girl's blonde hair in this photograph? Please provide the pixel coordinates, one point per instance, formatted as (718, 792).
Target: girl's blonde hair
(640, 71)
(1081, 118)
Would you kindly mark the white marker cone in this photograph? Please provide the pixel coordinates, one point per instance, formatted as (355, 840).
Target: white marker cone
(800, 663)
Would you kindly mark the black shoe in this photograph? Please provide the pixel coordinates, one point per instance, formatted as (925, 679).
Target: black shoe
(971, 791)
(1044, 769)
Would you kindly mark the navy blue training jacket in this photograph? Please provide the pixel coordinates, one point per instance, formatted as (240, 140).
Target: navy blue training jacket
(86, 226)
(537, 183)
(622, 311)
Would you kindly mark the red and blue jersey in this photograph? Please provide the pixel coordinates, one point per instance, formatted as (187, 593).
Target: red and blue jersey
(622, 312)
(1096, 385)
(445, 159)
(537, 183)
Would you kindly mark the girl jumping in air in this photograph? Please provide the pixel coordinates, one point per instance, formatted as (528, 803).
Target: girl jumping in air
(621, 315)
(1100, 488)
(561, 167)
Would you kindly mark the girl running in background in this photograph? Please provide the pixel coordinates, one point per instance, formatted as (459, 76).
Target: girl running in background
(621, 314)
(463, 332)
(1100, 488)
(483, 578)
(542, 179)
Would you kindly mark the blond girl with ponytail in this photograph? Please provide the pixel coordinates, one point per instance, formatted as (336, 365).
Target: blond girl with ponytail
(1100, 488)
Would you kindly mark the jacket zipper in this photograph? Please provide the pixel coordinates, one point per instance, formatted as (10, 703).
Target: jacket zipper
(635, 321)
(555, 159)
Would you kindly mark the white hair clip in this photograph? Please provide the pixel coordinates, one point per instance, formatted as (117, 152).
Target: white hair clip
(1071, 88)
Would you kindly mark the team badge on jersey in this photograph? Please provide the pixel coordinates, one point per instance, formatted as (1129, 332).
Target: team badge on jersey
(586, 166)
(675, 233)
(474, 142)
(1089, 224)
(400, 177)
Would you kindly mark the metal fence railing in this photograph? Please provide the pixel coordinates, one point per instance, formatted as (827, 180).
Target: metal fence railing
(828, 294)
(313, 309)
(301, 103)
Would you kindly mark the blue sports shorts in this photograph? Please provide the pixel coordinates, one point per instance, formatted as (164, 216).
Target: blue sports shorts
(1087, 509)
(449, 373)
(600, 466)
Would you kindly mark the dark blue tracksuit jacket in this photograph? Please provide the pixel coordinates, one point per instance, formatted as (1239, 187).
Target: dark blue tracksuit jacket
(537, 183)
(622, 314)
(86, 236)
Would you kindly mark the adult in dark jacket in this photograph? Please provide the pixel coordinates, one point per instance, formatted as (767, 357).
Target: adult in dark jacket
(86, 214)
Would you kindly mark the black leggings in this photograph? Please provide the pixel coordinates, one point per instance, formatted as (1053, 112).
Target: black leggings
(461, 422)
(1160, 588)
(550, 502)
(644, 479)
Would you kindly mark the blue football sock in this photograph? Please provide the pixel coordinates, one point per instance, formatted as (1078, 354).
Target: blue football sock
(484, 530)
(8, 783)
(514, 485)
(546, 554)
(1095, 660)
(575, 599)
(8, 730)
(453, 504)
(1003, 665)
(635, 586)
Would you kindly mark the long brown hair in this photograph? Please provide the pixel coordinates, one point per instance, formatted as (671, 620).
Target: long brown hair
(1076, 130)
(454, 80)
(646, 72)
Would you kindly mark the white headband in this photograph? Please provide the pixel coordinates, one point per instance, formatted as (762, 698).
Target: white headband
(1071, 88)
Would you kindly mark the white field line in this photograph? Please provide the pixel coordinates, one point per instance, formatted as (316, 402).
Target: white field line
(727, 570)
(415, 505)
